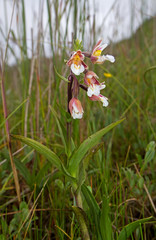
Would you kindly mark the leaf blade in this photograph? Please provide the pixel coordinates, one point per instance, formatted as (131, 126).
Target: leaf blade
(88, 144)
(105, 223)
(92, 204)
(60, 76)
(42, 149)
(128, 229)
(46, 152)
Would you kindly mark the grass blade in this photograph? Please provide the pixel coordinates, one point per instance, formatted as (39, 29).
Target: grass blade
(11, 114)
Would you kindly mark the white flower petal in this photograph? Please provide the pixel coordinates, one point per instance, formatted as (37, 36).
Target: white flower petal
(89, 76)
(104, 100)
(100, 59)
(77, 69)
(110, 58)
(93, 89)
(103, 46)
(75, 113)
(102, 86)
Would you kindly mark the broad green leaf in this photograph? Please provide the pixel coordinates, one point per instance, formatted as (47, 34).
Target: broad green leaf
(46, 152)
(60, 76)
(88, 144)
(105, 223)
(130, 228)
(92, 204)
(81, 176)
(82, 219)
(40, 148)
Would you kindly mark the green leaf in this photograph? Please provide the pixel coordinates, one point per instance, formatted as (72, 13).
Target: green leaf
(60, 76)
(40, 148)
(150, 153)
(3, 237)
(78, 45)
(81, 176)
(60, 184)
(46, 152)
(130, 228)
(86, 145)
(92, 204)
(141, 182)
(82, 219)
(105, 223)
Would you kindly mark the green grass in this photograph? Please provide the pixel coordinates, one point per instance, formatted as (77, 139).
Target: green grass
(115, 179)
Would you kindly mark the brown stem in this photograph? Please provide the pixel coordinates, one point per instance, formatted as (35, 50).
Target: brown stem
(83, 87)
(75, 87)
(70, 79)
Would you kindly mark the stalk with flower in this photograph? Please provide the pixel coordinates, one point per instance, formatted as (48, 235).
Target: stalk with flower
(91, 80)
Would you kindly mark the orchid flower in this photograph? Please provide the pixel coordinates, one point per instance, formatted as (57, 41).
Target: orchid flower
(75, 108)
(94, 86)
(76, 63)
(100, 98)
(96, 54)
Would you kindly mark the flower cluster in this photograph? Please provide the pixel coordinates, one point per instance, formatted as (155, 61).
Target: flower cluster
(77, 65)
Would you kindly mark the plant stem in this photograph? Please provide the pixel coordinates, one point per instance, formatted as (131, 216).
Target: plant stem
(70, 79)
(75, 87)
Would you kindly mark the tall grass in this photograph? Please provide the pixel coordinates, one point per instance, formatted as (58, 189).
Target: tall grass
(117, 175)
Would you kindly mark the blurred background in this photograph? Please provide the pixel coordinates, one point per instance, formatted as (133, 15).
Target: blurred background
(111, 20)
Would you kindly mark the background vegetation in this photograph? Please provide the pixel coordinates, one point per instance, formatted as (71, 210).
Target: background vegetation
(120, 170)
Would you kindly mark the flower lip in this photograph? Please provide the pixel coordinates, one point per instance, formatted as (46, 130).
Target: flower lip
(76, 62)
